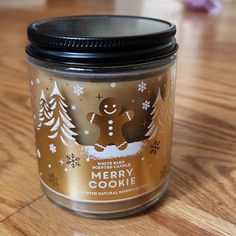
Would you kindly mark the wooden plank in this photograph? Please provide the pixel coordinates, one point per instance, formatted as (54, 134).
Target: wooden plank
(35, 219)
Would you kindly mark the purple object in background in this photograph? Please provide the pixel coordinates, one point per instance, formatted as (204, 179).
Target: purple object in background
(211, 6)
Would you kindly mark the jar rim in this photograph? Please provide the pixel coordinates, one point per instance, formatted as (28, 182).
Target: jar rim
(77, 39)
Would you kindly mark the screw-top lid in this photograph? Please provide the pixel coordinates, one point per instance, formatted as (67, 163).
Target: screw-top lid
(101, 39)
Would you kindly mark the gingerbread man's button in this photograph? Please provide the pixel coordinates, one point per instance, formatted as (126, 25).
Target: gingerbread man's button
(110, 128)
(110, 122)
(110, 133)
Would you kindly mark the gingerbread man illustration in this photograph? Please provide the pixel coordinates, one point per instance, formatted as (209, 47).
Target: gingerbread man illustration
(110, 123)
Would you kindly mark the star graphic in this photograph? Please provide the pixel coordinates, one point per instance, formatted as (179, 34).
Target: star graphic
(61, 161)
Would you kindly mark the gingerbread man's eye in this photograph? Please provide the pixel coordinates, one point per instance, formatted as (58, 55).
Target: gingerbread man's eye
(114, 105)
(106, 106)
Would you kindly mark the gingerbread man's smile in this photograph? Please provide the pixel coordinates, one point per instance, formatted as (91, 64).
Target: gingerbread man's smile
(110, 112)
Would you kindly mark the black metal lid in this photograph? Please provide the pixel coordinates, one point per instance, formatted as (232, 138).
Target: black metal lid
(101, 39)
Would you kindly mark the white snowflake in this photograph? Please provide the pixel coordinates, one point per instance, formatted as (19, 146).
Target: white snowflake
(142, 86)
(78, 90)
(113, 84)
(38, 153)
(38, 81)
(52, 148)
(86, 132)
(61, 162)
(73, 107)
(146, 105)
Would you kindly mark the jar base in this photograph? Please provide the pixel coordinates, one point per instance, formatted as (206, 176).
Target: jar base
(106, 210)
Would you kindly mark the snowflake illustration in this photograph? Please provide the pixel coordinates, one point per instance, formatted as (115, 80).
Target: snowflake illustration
(142, 86)
(113, 84)
(53, 179)
(78, 90)
(86, 132)
(38, 81)
(38, 153)
(146, 105)
(52, 148)
(154, 147)
(73, 107)
(163, 172)
(72, 160)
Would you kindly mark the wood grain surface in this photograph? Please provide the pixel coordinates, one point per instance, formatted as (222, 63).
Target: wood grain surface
(202, 195)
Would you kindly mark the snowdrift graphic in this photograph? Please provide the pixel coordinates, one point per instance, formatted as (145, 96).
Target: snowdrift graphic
(113, 152)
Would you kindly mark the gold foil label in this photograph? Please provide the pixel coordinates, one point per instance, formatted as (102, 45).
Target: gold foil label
(103, 141)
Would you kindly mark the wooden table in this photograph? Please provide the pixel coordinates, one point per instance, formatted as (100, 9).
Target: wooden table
(202, 194)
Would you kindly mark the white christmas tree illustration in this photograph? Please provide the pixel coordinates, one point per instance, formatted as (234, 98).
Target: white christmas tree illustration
(153, 127)
(162, 110)
(60, 123)
(44, 111)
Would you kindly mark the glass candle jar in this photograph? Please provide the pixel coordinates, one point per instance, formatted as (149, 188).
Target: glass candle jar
(103, 99)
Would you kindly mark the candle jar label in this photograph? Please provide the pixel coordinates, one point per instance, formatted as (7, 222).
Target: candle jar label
(103, 141)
